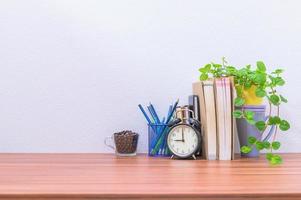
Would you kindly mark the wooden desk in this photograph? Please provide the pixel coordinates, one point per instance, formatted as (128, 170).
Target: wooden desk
(100, 176)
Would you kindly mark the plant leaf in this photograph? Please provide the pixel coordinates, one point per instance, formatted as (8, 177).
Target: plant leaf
(279, 81)
(248, 85)
(260, 92)
(276, 145)
(204, 77)
(266, 145)
(252, 140)
(260, 78)
(242, 72)
(245, 149)
(283, 99)
(237, 114)
(273, 81)
(205, 69)
(278, 71)
(249, 114)
(284, 125)
(259, 145)
(260, 125)
(274, 99)
(239, 101)
(239, 90)
(261, 66)
(276, 160)
(269, 156)
(274, 120)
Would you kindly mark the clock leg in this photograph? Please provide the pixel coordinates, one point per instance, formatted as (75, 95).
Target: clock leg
(171, 157)
(194, 157)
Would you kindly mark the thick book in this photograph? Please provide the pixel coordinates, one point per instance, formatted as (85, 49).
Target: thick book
(205, 92)
(224, 119)
(197, 89)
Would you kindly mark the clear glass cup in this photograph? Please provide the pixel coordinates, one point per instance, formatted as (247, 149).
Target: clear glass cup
(123, 143)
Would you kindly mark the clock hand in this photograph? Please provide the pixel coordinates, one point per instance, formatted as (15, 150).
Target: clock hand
(182, 135)
(178, 140)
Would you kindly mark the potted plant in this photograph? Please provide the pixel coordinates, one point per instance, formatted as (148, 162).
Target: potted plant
(252, 87)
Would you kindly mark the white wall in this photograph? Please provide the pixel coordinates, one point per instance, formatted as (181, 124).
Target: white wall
(73, 72)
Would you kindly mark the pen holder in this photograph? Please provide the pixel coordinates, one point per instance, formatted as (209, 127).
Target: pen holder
(157, 140)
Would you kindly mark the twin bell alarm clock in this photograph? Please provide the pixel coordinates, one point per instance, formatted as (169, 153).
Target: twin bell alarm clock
(184, 137)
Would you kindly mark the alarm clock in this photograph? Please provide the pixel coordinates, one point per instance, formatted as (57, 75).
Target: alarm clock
(184, 137)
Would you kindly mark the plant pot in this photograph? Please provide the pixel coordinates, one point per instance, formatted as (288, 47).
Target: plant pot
(245, 130)
(250, 96)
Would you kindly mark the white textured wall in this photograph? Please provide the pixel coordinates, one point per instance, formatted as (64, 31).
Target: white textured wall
(73, 72)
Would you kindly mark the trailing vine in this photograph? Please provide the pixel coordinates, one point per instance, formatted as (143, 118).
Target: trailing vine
(266, 85)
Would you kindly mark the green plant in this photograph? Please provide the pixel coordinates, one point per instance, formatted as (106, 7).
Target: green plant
(266, 85)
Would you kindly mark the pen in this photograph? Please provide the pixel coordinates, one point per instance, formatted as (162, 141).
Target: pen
(154, 112)
(144, 113)
(151, 111)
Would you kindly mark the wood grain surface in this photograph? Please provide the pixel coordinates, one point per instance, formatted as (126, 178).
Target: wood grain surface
(104, 176)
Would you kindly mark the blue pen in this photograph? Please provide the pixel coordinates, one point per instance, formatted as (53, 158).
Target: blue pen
(144, 113)
(146, 116)
(169, 110)
(154, 112)
(157, 129)
(156, 122)
(164, 145)
(161, 128)
(161, 131)
(172, 112)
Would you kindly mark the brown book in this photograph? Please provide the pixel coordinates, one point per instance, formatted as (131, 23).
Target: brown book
(205, 92)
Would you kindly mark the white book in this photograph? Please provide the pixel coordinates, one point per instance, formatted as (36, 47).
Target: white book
(224, 117)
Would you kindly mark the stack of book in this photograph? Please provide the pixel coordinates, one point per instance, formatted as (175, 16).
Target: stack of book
(216, 106)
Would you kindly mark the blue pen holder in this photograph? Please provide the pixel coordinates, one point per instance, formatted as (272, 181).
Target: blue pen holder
(157, 140)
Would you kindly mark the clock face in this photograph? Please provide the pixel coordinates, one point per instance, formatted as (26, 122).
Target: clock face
(183, 141)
